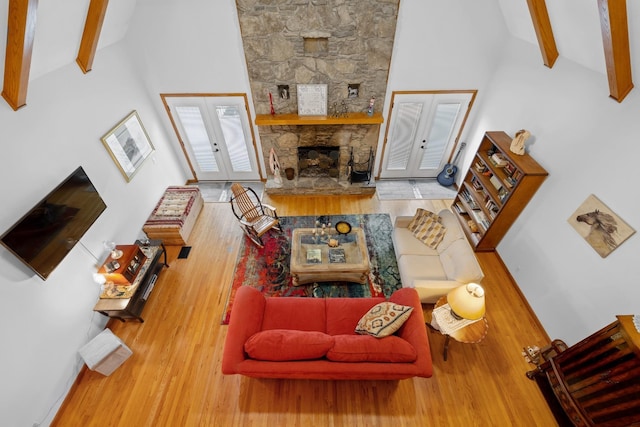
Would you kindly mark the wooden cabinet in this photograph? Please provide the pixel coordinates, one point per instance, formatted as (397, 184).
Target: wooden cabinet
(495, 190)
(595, 382)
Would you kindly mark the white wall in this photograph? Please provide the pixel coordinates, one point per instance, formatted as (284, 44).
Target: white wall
(44, 323)
(586, 141)
(191, 47)
(448, 45)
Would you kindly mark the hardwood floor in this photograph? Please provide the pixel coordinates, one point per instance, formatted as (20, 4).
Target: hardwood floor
(174, 379)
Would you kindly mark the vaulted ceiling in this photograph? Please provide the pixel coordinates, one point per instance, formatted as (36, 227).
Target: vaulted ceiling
(576, 27)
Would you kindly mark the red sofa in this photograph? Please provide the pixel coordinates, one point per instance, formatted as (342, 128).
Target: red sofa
(314, 338)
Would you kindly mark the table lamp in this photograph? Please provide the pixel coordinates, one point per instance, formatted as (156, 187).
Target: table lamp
(467, 302)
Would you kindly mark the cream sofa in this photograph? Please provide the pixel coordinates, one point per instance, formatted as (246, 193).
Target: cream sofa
(434, 272)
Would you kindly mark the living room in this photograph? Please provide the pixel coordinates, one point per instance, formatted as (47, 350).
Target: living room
(195, 47)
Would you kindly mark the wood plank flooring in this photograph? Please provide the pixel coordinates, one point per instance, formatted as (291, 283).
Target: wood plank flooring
(174, 379)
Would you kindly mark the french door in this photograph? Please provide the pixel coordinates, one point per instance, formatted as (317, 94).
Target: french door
(215, 135)
(423, 130)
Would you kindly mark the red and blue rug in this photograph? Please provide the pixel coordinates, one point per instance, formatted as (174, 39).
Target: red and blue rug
(267, 269)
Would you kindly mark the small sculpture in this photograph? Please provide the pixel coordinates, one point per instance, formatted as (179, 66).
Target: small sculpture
(371, 103)
(333, 243)
(517, 145)
(275, 167)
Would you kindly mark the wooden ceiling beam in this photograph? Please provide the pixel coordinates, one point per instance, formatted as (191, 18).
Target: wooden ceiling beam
(91, 34)
(21, 29)
(615, 39)
(544, 32)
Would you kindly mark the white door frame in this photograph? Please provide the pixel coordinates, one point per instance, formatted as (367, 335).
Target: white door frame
(426, 103)
(205, 102)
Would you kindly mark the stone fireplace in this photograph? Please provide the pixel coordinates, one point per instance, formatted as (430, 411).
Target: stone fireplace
(339, 43)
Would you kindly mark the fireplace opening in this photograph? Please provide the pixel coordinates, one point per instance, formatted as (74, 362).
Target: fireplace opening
(318, 162)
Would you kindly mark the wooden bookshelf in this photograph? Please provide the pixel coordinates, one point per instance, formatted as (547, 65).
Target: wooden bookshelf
(295, 120)
(495, 190)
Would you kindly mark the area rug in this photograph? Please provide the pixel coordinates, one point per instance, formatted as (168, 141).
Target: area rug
(413, 189)
(267, 269)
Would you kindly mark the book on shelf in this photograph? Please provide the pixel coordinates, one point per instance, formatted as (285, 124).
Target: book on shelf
(480, 167)
(459, 208)
(495, 181)
(314, 256)
(337, 255)
(498, 160)
(509, 169)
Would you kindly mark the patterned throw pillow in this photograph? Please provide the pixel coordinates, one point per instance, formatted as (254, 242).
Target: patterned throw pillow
(430, 233)
(383, 319)
(421, 216)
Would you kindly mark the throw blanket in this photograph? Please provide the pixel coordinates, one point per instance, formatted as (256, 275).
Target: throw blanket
(174, 206)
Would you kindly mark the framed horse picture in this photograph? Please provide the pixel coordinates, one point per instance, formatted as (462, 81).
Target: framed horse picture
(600, 226)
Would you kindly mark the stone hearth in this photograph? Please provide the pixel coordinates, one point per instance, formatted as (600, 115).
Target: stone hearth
(318, 185)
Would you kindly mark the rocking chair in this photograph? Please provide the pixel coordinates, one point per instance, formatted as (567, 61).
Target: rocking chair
(255, 217)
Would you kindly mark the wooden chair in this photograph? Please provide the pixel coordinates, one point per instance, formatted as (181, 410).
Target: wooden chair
(255, 217)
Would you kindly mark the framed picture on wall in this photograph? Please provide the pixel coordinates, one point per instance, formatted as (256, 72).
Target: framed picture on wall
(128, 144)
(602, 229)
(312, 100)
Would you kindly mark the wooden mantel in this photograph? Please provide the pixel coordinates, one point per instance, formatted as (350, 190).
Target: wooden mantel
(21, 29)
(294, 119)
(615, 38)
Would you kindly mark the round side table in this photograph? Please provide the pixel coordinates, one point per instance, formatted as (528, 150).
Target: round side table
(470, 334)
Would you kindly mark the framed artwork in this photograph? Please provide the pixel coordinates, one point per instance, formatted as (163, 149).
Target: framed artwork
(312, 100)
(128, 144)
(600, 226)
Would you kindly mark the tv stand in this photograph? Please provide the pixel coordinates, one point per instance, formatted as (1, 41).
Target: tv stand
(121, 302)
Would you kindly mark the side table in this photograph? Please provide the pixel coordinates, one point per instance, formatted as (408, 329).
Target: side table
(469, 334)
(131, 306)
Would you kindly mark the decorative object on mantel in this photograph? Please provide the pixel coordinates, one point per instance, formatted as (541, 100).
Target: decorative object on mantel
(600, 226)
(283, 91)
(128, 144)
(372, 101)
(517, 145)
(274, 164)
(312, 100)
(272, 110)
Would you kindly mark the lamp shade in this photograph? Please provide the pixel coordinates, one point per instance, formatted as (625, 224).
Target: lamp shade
(467, 301)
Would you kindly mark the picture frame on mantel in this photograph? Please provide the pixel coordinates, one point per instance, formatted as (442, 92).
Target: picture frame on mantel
(128, 145)
(312, 100)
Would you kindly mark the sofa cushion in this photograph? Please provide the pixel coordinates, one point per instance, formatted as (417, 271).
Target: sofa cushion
(460, 263)
(365, 348)
(306, 314)
(288, 344)
(406, 243)
(430, 232)
(420, 267)
(343, 314)
(383, 319)
(454, 231)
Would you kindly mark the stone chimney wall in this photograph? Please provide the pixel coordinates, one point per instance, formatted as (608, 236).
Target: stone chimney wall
(340, 43)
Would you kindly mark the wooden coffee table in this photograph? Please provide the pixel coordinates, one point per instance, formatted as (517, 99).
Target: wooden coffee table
(312, 260)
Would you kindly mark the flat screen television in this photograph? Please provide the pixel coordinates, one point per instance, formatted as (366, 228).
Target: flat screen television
(45, 235)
